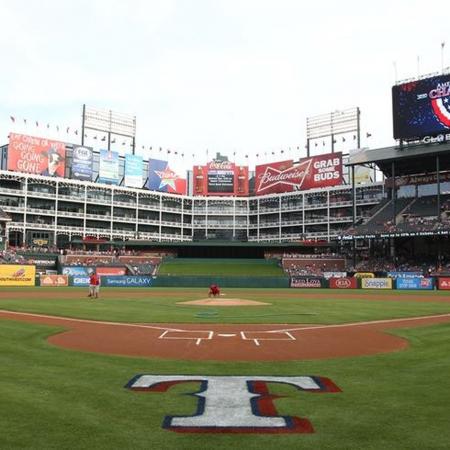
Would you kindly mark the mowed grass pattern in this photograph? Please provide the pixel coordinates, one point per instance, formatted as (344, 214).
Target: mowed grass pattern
(54, 398)
(220, 267)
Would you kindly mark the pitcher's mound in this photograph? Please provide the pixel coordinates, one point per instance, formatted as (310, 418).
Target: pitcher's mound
(223, 302)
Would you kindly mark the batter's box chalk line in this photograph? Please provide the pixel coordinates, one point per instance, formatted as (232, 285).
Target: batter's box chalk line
(274, 335)
(200, 335)
(196, 335)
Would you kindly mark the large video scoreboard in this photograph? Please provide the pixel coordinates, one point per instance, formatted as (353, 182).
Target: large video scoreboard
(421, 108)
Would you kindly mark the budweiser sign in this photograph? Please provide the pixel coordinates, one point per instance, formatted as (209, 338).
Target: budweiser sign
(293, 176)
(309, 173)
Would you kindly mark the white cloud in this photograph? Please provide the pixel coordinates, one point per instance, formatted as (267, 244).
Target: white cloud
(226, 75)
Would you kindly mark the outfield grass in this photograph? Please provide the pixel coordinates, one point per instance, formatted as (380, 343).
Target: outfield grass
(285, 305)
(220, 267)
(53, 398)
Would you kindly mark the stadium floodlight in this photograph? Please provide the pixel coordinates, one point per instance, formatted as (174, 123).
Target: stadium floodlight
(110, 122)
(333, 124)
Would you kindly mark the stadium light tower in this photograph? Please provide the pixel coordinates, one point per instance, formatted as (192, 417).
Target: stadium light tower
(110, 122)
(333, 124)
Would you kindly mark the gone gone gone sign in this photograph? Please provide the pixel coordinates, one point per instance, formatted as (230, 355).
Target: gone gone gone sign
(234, 404)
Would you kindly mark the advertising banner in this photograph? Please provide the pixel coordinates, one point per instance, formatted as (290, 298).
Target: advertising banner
(241, 183)
(73, 271)
(328, 275)
(362, 175)
(110, 271)
(134, 166)
(444, 283)
(127, 281)
(54, 280)
(82, 160)
(314, 172)
(200, 180)
(42, 261)
(408, 180)
(221, 177)
(421, 108)
(364, 275)
(405, 275)
(163, 179)
(414, 283)
(376, 283)
(36, 155)
(343, 283)
(80, 281)
(109, 167)
(306, 282)
(17, 275)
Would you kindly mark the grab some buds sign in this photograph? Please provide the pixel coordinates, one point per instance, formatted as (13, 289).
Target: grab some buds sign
(314, 172)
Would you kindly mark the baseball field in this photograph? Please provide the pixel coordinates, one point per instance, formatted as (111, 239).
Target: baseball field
(173, 369)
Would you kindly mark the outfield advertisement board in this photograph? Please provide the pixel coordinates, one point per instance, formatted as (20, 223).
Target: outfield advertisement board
(307, 282)
(444, 283)
(162, 178)
(102, 271)
(79, 280)
(222, 178)
(82, 161)
(343, 283)
(364, 275)
(134, 166)
(36, 155)
(405, 275)
(76, 271)
(17, 275)
(414, 283)
(376, 283)
(126, 281)
(54, 280)
(108, 167)
(329, 275)
(314, 172)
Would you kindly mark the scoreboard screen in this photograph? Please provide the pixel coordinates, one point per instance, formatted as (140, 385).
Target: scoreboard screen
(421, 108)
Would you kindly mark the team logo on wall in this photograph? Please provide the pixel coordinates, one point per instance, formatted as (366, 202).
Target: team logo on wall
(163, 179)
(234, 404)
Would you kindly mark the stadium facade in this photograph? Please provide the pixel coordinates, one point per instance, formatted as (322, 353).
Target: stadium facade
(54, 211)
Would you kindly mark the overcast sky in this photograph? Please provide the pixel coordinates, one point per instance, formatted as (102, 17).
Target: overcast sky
(224, 75)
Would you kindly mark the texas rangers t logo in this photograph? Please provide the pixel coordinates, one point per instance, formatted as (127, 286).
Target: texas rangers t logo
(228, 404)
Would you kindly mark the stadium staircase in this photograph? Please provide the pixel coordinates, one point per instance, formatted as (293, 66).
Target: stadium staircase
(383, 217)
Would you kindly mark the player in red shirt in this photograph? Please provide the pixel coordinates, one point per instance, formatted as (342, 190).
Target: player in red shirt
(94, 285)
(214, 290)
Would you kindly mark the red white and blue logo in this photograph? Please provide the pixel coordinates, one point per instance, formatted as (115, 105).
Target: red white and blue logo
(163, 179)
(440, 102)
(234, 404)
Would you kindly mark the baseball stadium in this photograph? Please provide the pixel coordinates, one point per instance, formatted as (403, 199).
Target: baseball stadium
(330, 275)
